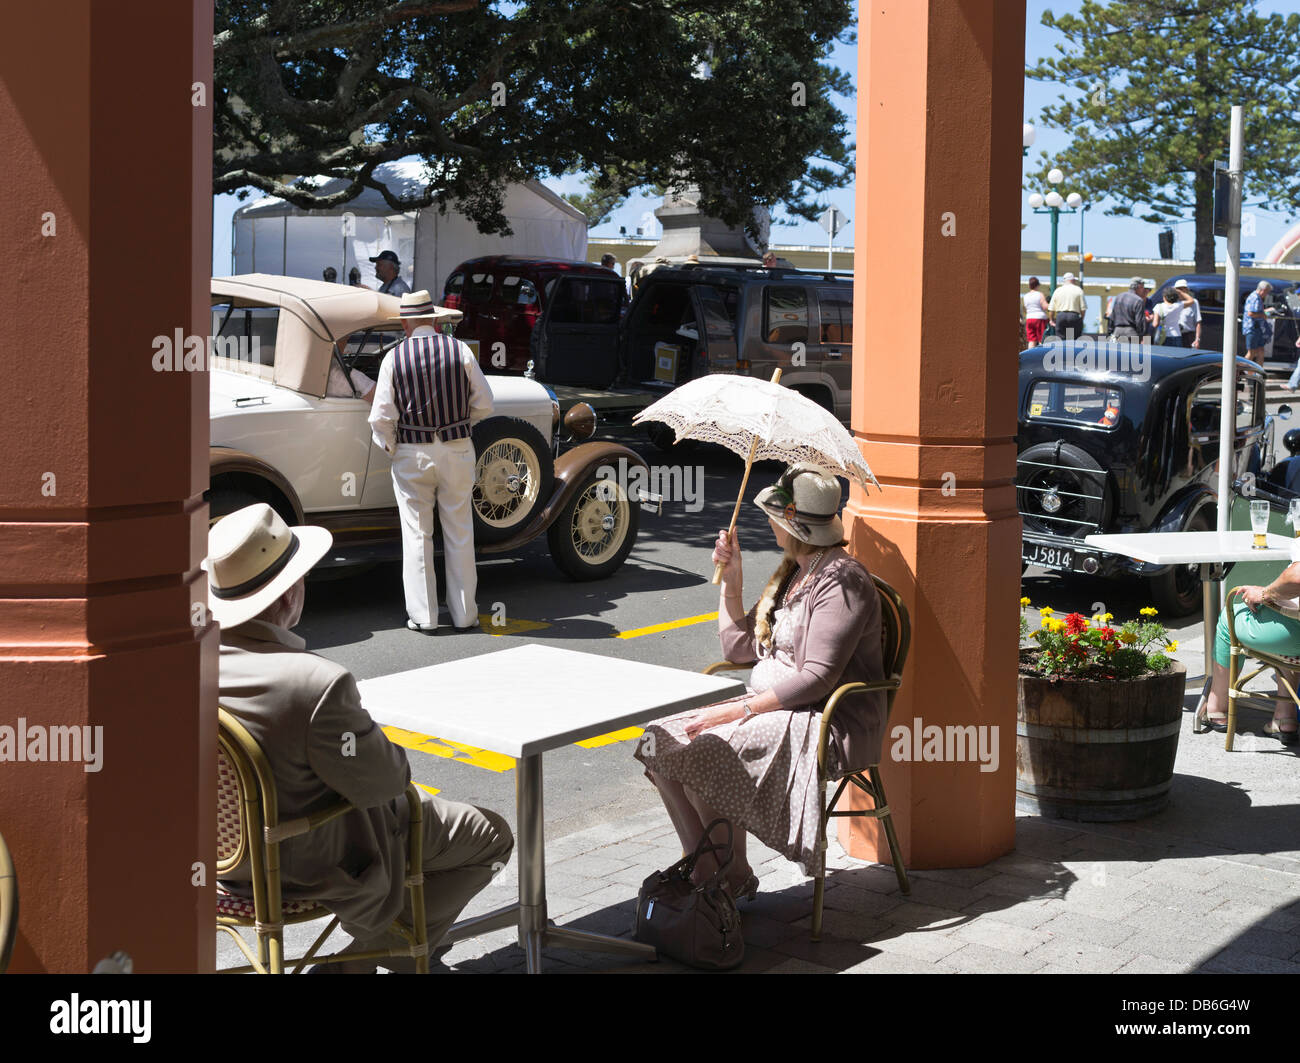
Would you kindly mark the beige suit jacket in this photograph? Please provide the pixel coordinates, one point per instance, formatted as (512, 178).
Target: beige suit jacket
(306, 714)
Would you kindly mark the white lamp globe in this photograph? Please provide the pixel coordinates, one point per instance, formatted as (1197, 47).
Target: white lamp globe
(1036, 200)
(1028, 135)
(1054, 199)
(1054, 176)
(1074, 200)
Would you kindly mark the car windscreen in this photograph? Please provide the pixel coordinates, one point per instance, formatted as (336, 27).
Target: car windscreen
(365, 348)
(1073, 403)
(245, 333)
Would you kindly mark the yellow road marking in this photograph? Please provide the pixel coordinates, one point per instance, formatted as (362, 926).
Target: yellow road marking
(430, 789)
(510, 627)
(439, 747)
(609, 739)
(636, 633)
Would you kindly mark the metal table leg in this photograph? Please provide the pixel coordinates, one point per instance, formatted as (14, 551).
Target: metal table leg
(1211, 575)
(535, 930)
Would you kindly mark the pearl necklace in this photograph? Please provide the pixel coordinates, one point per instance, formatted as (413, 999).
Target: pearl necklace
(817, 560)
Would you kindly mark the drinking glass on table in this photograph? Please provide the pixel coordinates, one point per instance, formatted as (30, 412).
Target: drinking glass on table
(1293, 516)
(1259, 523)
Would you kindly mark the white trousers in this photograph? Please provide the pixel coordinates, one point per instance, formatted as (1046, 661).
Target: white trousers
(442, 474)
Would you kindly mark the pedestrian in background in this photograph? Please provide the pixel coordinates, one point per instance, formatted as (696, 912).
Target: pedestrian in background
(1067, 308)
(1189, 320)
(1255, 323)
(1035, 314)
(330, 275)
(1165, 316)
(389, 271)
(1130, 311)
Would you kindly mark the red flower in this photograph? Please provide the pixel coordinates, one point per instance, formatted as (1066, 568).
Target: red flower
(1075, 624)
(1107, 633)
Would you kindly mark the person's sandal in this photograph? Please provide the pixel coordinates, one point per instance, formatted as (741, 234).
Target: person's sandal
(1287, 738)
(1204, 723)
(747, 890)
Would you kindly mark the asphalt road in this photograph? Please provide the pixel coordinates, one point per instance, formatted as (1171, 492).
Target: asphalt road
(359, 621)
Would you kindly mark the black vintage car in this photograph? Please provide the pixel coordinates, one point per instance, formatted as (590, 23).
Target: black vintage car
(1126, 439)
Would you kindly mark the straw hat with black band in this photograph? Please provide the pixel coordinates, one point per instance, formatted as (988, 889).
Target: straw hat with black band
(253, 558)
(419, 307)
(805, 501)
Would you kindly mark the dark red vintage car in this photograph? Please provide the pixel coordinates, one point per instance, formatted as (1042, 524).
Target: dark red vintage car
(503, 297)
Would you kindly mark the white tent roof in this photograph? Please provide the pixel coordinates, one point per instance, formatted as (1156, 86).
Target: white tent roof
(272, 236)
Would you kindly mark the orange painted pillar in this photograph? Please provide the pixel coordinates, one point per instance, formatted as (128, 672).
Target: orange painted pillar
(934, 406)
(107, 661)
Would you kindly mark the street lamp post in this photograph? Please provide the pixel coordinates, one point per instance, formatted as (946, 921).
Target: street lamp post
(1053, 205)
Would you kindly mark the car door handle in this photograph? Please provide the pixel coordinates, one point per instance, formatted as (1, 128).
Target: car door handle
(834, 354)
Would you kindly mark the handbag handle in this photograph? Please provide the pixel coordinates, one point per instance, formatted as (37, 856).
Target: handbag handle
(708, 845)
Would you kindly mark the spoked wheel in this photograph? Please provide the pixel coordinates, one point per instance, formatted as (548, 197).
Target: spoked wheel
(595, 531)
(513, 477)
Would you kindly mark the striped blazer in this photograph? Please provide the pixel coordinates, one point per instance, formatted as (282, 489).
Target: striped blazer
(430, 390)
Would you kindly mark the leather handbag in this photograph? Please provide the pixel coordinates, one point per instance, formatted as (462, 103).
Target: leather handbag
(698, 925)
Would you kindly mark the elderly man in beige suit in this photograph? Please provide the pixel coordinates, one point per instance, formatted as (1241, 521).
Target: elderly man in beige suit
(306, 714)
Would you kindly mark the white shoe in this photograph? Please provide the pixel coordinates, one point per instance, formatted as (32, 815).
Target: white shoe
(424, 629)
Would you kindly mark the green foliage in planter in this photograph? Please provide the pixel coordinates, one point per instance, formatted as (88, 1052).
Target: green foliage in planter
(1078, 648)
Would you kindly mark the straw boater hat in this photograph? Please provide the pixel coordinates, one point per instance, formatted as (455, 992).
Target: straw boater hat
(420, 305)
(805, 501)
(253, 558)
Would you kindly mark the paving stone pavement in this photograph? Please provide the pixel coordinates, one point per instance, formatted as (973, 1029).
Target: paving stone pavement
(1212, 883)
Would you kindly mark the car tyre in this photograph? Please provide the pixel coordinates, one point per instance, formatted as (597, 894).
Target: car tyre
(595, 530)
(1177, 592)
(513, 477)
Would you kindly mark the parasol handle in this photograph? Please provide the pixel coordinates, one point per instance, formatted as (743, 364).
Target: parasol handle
(735, 513)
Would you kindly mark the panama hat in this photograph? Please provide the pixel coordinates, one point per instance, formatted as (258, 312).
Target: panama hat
(253, 558)
(420, 305)
(805, 501)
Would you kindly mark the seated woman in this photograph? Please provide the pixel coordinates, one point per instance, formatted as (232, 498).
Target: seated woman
(1267, 618)
(753, 759)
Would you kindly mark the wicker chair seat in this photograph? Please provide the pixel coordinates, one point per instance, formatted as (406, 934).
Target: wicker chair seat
(231, 905)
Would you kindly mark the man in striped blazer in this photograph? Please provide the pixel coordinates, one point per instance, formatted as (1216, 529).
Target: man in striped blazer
(430, 391)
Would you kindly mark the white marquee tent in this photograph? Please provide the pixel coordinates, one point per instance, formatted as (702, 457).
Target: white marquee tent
(271, 236)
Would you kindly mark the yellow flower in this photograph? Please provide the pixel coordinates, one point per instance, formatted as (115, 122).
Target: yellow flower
(1024, 602)
(1173, 646)
(1044, 611)
(1057, 626)
(1110, 648)
(1127, 637)
(1108, 616)
(1149, 611)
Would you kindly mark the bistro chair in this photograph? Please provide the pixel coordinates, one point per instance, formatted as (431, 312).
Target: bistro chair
(895, 638)
(249, 829)
(1237, 652)
(8, 906)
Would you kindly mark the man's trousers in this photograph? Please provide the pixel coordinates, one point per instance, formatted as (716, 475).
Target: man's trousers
(464, 848)
(442, 474)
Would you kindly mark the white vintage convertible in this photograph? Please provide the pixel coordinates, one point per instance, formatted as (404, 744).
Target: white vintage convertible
(277, 437)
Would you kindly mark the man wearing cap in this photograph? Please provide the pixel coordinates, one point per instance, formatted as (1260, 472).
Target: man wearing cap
(430, 391)
(305, 714)
(388, 270)
(1130, 311)
(1067, 307)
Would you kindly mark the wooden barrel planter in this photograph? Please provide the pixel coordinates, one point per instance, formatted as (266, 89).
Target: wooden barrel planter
(1097, 750)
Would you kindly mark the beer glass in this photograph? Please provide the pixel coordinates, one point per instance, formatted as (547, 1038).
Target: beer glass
(1259, 523)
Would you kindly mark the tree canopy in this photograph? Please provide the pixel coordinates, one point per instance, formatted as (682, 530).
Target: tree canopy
(732, 96)
(1150, 85)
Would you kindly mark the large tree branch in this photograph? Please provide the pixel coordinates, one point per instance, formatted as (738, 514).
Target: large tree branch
(255, 34)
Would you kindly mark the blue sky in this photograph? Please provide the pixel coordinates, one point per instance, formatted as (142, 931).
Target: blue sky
(1103, 235)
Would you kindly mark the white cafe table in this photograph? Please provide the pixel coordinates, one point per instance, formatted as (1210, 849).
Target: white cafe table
(523, 702)
(1209, 549)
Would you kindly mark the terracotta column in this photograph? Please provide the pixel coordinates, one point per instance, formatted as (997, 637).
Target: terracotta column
(934, 399)
(105, 193)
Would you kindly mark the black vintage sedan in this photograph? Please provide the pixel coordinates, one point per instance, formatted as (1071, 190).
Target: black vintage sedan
(1125, 438)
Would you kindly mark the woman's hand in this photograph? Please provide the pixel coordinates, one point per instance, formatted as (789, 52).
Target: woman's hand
(713, 716)
(727, 554)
